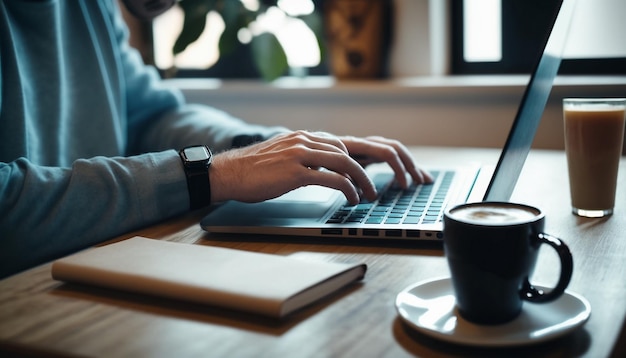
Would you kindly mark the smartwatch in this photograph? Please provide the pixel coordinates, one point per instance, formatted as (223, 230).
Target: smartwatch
(196, 161)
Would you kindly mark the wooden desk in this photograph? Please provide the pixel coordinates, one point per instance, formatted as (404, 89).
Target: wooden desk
(41, 316)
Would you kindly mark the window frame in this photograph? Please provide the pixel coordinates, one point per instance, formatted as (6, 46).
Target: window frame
(525, 25)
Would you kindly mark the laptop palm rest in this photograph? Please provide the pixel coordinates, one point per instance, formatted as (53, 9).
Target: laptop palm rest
(311, 202)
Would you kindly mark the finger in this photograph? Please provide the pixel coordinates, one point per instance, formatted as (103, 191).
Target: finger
(309, 138)
(331, 139)
(344, 166)
(418, 174)
(322, 150)
(382, 152)
(336, 181)
(394, 153)
(313, 151)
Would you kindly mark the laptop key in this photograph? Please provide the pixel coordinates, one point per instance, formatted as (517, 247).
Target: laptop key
(418, 203)
(393, 220)
(411, 220)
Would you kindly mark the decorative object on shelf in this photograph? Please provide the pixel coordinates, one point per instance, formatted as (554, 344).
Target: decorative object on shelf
(358, 35)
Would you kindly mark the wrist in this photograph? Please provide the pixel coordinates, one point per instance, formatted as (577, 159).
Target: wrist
(218, 172)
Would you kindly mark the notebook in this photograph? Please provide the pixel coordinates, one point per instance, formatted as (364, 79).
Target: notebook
(414, 214)
(268, 285)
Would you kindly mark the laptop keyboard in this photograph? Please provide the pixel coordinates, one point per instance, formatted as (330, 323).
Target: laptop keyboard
(418, 204)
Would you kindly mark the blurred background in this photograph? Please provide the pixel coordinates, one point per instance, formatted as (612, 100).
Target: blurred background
(438, 72)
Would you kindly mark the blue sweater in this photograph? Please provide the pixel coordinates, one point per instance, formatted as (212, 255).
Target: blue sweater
(87, 132)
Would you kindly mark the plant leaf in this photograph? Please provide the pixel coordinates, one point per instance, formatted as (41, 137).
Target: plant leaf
(268, 3)
(269, 56)
(235, 17)
(195, 12)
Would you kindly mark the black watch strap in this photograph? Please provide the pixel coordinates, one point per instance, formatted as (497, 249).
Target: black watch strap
(196, 161)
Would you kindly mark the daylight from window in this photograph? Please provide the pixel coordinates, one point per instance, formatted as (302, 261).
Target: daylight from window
(296, 38)
(482, 30)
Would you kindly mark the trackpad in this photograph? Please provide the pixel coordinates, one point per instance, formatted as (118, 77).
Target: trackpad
(311, 202)
(308, 194)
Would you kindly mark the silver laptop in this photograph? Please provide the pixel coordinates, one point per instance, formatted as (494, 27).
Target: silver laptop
(416, 213)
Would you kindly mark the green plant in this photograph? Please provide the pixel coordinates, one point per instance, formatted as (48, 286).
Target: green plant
(268, 55)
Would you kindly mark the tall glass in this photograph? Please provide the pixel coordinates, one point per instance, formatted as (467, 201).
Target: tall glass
(594, 137)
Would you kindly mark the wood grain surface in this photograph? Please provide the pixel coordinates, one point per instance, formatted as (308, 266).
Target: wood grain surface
(43, 317)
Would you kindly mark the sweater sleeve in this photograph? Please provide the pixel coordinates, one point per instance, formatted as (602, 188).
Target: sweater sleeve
(48, 212)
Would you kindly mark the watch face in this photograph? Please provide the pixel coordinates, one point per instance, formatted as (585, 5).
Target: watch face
(195, 154)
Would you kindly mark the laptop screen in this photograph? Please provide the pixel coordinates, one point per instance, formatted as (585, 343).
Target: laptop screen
(529, 114)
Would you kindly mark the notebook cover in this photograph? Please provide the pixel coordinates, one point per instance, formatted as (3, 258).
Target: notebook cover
(266, 284)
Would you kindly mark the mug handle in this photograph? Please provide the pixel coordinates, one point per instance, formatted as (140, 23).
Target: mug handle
(532, 294)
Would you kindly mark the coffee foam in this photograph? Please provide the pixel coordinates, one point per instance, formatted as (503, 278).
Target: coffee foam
(594, 108)
(595, 105)
(492, 214)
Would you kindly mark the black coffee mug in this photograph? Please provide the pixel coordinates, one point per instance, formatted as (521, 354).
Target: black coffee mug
(492, 249)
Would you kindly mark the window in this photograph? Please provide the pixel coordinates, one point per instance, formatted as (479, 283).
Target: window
(506, 36)
(202, 58)
(482, 30)
(487, 37)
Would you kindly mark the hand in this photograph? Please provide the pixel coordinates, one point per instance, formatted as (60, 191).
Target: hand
(288, 161)
(377, 149)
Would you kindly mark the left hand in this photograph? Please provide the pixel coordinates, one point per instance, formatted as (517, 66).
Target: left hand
(376, 149)
(268, 169)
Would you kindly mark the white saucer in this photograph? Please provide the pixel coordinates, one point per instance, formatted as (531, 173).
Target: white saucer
(429, 307)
